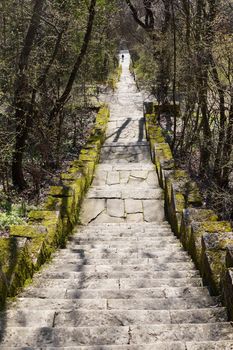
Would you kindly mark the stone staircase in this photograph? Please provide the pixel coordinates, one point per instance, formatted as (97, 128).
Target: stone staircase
(124, 280)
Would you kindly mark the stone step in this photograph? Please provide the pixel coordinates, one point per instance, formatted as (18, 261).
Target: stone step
(72, 266)
(126, 167)
(123, 283)
(142, 293)
(131, 247)
(143, 225)
(208, 345)
(124, 335)
(155, 346)
(113, 232)
(124, 236)
(168, 303)
(125, 193)
(76, 318)
(140, 252)
(127, 144)
(121, 261)
(137, 317)
(130, 242)
(139, 227)
(125, 154)
(130, 186)
(174, 254)
(140, 230)
(142, 178)
(84, 275)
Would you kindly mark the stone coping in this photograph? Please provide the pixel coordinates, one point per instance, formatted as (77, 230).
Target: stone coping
(208, 240)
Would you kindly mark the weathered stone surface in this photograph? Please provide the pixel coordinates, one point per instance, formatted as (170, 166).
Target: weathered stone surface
(104, 218)
(91, 209)
(113, 178)
(214, 258)
(100, 178)
(142, 193)
(133, 206)
(116, 208)
(153, 210)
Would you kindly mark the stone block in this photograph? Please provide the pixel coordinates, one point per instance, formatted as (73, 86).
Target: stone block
(28, 231)
(175, 210)
(197, 230)
(60, 191)
(133, 206)
(113, 178)
(213, 258)
(116, 208)
(153, 210)
(191, 215)
(163, 160)
(194, 197)
(100, 178)
(91, 209)
(57, 228)
(15, 265)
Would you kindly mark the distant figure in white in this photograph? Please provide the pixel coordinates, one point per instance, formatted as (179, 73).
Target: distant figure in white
(124, 58)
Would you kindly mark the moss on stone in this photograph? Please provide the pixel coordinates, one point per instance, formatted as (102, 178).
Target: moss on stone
(28, 231)
(179, 174)
(69, 177)
(197, 230)
(194, 197)
(43, 215)
(8, 248)
(215, 226)
(212, 268)
(163, 156)
(60, 191)
(202, 215)
(214, 247)
(192, 215)
(53, 203)
(15, 264)
(179, 202)
(40, 251)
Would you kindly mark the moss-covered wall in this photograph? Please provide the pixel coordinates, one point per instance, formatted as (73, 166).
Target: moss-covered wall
(208, 240)
(29, 246)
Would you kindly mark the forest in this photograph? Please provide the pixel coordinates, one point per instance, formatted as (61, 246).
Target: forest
(57, 58)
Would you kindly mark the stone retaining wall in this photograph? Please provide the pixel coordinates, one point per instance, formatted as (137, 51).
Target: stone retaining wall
(207, 239)
(31, 245)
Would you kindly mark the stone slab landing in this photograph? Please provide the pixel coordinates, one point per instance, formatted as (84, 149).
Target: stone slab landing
(124, 281)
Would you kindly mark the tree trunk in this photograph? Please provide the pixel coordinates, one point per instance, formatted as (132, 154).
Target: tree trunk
(227, 149)
(22, 98)
(59, 104)
(174, 75)
(218, 166)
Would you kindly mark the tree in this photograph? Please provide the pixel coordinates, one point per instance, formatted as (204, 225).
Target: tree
(24, 103)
